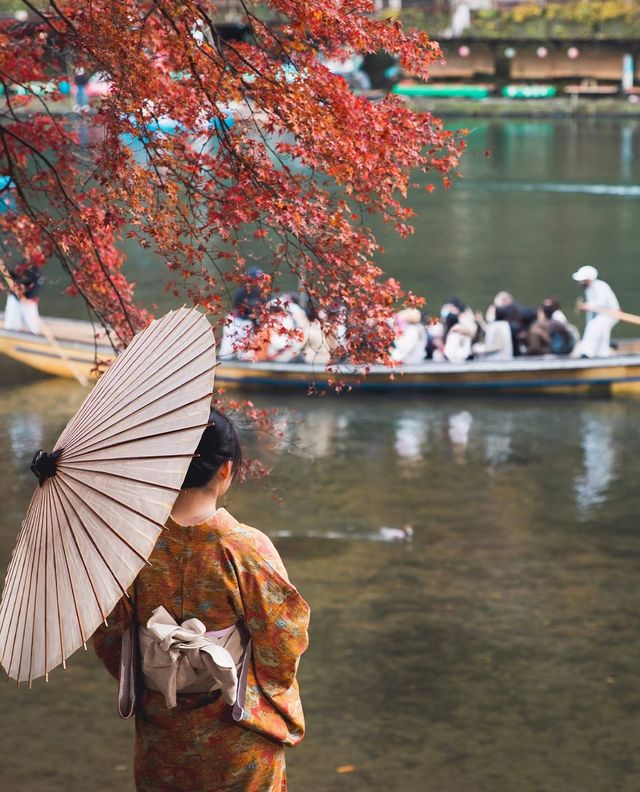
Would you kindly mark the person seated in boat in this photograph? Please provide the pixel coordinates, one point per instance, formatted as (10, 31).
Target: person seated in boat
(435, 339)
(455, 344)
(503, 299)
(551, 333)
(237, 332)
(338, 317)
(498, 338)
(21, 310)
(601, 319)
(410, 344)
(292, 306)
(467, 322)
(553, 310)
(287, 331)
(519, 317)
(460, 332)
(249, 298)
(317, 349)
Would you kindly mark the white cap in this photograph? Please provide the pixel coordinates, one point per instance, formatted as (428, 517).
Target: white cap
(586, 273)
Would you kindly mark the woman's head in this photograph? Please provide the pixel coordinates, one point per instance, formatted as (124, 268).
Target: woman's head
(218, 455)
(549, 306)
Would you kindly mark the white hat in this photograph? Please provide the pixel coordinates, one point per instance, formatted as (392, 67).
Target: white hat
(586, 273)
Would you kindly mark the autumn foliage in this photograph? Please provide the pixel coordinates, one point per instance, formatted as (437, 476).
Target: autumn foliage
(273, 161)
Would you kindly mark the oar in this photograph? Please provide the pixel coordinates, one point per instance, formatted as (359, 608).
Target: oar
(621, 316)
(46, 332)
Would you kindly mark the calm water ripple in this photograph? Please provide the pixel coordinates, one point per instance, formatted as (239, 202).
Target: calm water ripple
(617, 190)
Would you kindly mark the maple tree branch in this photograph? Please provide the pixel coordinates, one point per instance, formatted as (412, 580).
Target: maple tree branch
(62, 16)
(34, 9)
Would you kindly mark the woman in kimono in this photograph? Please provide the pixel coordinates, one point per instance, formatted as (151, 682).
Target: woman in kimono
(209, 567)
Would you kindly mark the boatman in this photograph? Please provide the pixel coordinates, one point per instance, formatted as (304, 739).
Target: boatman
(602, 306)
(21, 311)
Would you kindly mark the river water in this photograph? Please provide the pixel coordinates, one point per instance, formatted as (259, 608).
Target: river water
(494, 651)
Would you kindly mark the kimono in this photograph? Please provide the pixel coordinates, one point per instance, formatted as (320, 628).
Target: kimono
(220, 572)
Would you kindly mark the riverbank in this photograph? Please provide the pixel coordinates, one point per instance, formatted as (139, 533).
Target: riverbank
(498, 107)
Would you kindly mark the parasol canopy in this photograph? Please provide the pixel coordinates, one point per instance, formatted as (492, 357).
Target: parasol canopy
(105, 493)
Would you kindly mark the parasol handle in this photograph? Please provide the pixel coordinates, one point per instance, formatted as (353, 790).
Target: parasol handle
(44, 466)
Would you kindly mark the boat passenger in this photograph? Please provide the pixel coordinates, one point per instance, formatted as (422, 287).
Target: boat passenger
(596, 339)
(435, 336)
(467, 322)
(519, 317)
(295, 310)
(448, 320)
(287, 334)
(520, 320)
(503, 299)
(552, 309)
(551, 333)
(498, 339)
(338, 317)
(236, 333)
(411, 337)
(21, 310)
(316, 350)
(238, 329)
(461, 330)
(250, 298)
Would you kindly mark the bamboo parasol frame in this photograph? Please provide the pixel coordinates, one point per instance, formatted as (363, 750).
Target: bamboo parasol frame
(105, 493)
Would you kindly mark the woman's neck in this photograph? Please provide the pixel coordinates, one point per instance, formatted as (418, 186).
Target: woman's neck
(194, 506)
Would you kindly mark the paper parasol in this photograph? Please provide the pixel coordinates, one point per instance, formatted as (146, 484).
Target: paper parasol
(105, 493)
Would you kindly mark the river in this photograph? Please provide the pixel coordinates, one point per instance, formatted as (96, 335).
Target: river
(496, 649)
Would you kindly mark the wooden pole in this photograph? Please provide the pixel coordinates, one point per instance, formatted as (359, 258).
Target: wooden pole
(44, 329)
(621, 316)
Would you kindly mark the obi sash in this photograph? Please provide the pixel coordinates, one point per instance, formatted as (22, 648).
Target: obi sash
(188, 658)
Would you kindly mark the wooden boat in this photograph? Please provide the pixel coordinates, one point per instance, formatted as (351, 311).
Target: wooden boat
(75, 351)
(615, 375)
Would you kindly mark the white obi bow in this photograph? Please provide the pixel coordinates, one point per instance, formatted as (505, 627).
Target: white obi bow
(185, 658)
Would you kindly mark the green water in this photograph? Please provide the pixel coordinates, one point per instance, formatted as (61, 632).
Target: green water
(496, 651)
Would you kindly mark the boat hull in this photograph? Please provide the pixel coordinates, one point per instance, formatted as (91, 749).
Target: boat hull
(76, 351)
(610, 376)
(615, 375)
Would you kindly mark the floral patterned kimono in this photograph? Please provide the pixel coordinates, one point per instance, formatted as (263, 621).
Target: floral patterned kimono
(220, 572)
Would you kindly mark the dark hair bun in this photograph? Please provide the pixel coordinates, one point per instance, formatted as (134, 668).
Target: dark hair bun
(219, 444)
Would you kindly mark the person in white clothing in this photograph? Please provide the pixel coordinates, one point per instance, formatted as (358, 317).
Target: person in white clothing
(498, 340)
(21, 310)
(316, 349)
(596, 339)
(235, 342)
(411, 338)
(287, 336)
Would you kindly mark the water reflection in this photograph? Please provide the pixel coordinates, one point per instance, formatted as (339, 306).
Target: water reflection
(416, 439)
(627, 138)
(25, 432)
(497, 442)
(420, 441)
(411, 433)
(459, 427)
(599, 460)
